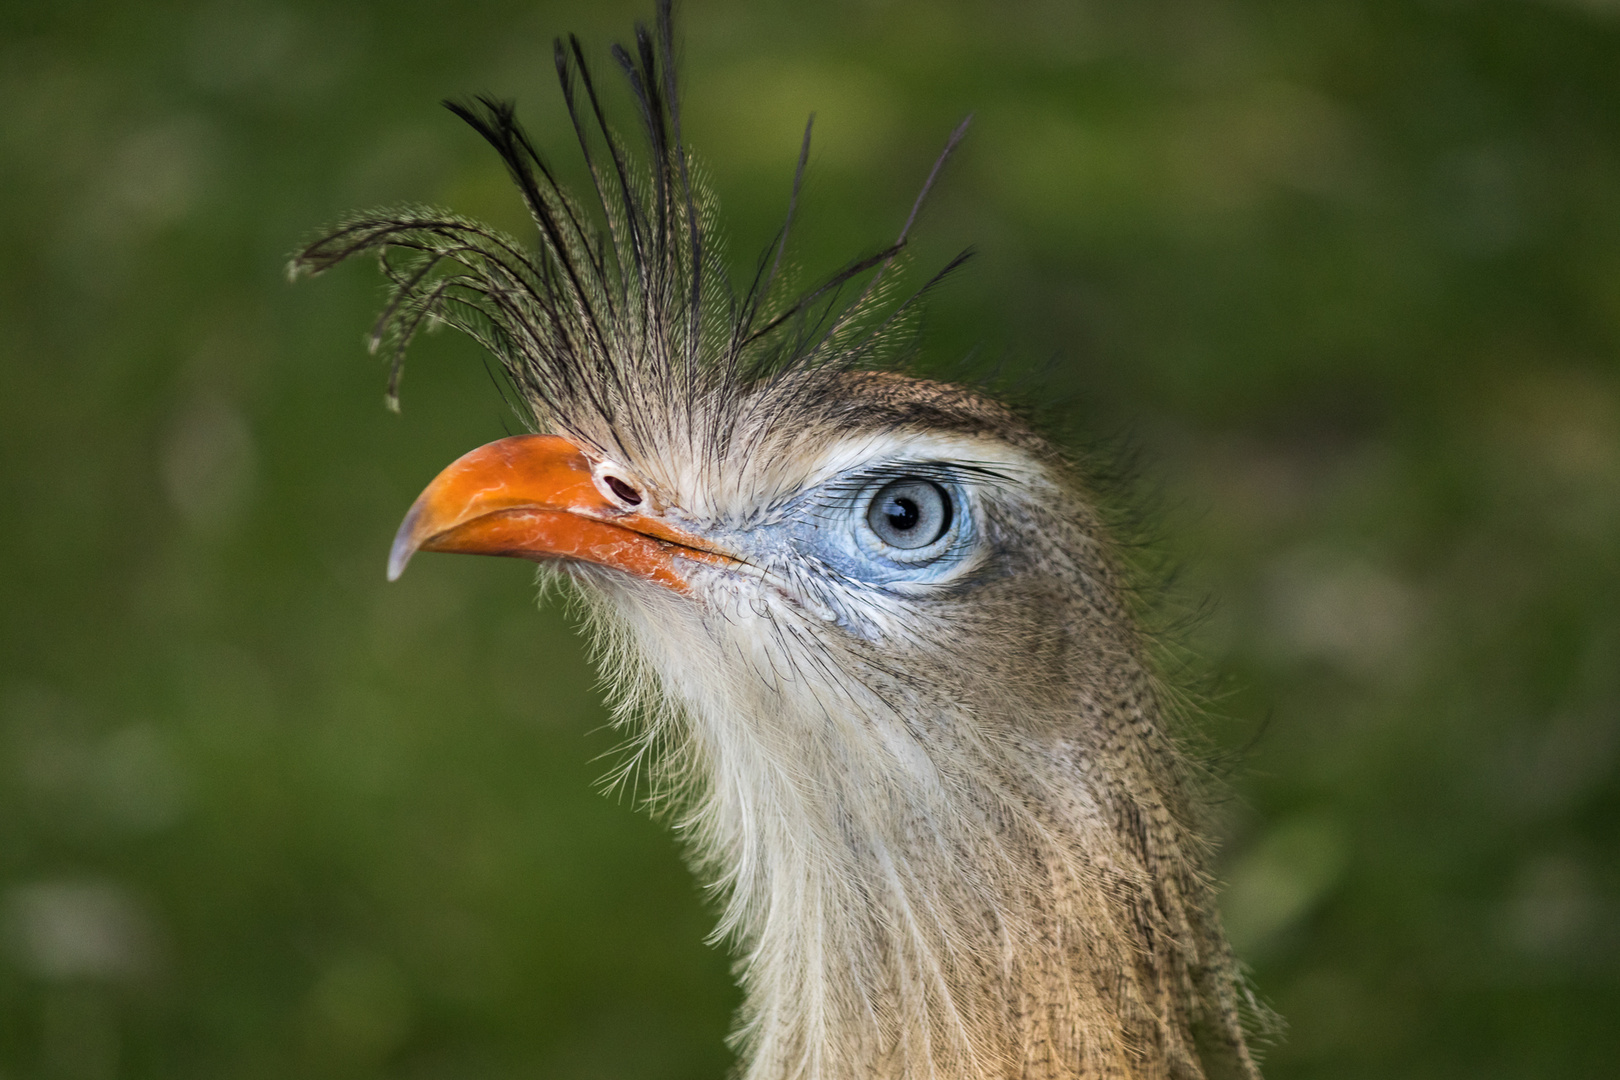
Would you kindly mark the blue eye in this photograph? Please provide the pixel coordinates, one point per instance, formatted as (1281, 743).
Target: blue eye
(909, 513)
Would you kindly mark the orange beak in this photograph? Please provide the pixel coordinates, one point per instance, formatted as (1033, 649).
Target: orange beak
(535, 497)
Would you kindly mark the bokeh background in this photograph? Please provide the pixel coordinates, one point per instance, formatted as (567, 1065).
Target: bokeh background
(1347, 272)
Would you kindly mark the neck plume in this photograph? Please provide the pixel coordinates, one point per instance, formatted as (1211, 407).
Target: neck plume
(915, 892)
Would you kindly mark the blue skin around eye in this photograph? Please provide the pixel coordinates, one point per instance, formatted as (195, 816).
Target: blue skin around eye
(828, 525)
(819, 545)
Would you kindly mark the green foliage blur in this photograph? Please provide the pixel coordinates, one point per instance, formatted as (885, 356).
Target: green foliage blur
(1347, 271)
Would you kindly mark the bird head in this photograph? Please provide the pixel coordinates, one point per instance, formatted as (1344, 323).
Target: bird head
(893, 522)
(869, 627)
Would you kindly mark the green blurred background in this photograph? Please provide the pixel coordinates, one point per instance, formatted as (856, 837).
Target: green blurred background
(1349, 272)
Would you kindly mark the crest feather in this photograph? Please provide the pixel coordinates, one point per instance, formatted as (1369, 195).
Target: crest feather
(619, 327)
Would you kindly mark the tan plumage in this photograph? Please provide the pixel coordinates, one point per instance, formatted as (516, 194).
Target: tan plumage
(930, 782)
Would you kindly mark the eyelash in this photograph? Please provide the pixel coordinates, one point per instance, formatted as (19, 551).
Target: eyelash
(948, 475)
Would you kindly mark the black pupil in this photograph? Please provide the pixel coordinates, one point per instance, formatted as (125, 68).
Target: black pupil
(903, 513)
(909, 513)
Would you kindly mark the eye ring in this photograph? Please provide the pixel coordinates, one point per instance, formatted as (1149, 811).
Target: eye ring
(910, 514)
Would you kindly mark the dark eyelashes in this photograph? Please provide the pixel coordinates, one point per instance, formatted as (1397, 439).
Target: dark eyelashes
(940, 472)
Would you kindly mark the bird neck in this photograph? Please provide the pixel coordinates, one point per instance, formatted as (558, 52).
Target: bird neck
(916, 892)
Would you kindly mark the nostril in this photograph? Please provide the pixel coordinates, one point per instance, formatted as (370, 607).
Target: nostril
(623, 490)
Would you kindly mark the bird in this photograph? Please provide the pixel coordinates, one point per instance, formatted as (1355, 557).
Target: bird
(871, 634)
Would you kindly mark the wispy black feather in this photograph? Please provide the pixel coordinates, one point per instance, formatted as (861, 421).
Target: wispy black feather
(618, 328)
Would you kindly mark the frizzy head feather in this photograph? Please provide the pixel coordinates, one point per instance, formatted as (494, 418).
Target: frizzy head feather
(619, 327)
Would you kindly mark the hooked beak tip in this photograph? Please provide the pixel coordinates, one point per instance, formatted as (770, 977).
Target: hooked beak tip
(405, 545)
